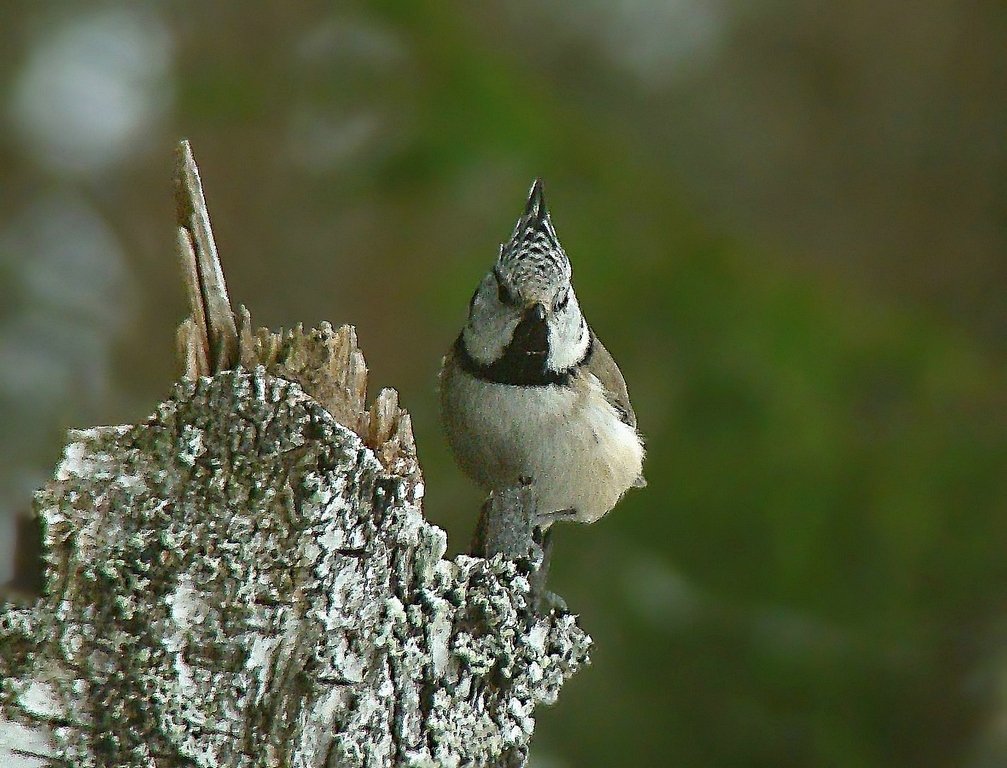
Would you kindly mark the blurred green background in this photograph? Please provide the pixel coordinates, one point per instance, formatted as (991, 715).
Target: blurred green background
(786, 221)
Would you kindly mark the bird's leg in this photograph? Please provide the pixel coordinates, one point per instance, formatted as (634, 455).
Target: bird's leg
(506, 524)
(509, 524)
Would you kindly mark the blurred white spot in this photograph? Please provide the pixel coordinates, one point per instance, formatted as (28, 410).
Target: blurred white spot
(660, 594)
(659, 43)
(322, 141)
(360, 66)
(65, 294)
(783, 632)
(92, 88)
(71, 261)
(350, 40)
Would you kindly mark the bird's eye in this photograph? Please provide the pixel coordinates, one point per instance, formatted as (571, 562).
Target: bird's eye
(563, 301)
(504, 293)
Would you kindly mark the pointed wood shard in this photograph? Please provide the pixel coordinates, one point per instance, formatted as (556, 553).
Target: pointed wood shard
(204, 277)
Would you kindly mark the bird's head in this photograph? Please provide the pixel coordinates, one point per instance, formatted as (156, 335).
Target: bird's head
(524, 311)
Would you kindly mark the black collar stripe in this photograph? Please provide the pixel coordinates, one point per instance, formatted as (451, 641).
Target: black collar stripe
(519, 368)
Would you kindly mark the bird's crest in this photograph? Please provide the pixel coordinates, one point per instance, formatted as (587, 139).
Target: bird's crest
(533, 256)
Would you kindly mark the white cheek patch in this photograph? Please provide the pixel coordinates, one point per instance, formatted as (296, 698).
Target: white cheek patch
(487, 336)
(569, 339)
(486, 333)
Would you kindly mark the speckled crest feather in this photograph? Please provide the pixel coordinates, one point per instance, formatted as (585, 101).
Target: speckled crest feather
(533, 258)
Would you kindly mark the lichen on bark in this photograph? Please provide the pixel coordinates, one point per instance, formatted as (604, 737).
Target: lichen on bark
(246, 578)
(239, 581)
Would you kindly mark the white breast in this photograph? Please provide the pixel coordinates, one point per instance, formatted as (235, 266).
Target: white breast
(567, 439)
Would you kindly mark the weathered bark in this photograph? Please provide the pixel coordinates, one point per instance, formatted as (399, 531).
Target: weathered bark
(246, 579)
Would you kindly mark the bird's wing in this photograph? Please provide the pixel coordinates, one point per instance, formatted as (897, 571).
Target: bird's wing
(608, 374)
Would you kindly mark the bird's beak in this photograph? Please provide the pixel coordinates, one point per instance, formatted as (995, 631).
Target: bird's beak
(536, 312)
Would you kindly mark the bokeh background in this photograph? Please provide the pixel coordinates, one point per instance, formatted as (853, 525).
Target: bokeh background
(786, 220)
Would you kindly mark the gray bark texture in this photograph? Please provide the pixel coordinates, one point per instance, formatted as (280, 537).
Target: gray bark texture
(246, 579)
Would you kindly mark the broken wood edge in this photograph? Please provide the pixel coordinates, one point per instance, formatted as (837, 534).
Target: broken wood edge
(327, 363)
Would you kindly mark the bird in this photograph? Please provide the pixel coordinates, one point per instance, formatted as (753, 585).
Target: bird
(528, 393)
